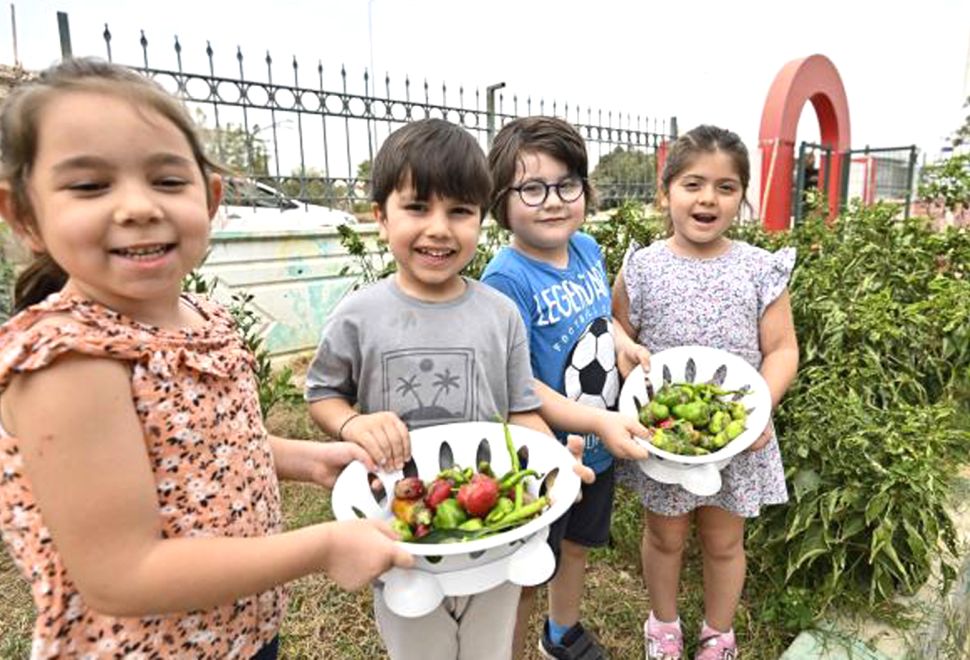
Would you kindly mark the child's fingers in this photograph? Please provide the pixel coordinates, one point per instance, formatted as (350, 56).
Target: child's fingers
(377, 446)
(357, 453)
(396, 443)
(575, 444)
(405, 436)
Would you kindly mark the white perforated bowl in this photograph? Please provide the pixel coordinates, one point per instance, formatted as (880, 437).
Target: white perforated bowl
(518, 555)
(698, 364)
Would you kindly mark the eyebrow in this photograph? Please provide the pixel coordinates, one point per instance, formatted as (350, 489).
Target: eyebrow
(96, 162)
(732, 179)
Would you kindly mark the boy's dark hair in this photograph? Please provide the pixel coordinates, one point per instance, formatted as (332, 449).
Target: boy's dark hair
(437, 158)
(548, 135)
(706, 139)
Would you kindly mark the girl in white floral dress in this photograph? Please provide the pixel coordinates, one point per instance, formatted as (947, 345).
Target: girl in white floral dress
(700, 287)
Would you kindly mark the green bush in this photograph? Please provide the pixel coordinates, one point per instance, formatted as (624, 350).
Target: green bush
(275, 386)
(874, 426)
(7, 276)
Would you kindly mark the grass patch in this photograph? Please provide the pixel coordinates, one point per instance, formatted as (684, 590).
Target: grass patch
(326, 622)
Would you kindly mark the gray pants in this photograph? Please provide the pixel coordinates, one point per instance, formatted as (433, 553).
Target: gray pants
(478, 627)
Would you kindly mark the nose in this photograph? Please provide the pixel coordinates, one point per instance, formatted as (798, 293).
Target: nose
(706, 195)
(136, 204)
(437, 223)
(553, 200)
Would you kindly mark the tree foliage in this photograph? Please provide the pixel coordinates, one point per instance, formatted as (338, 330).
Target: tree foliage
(625, 174)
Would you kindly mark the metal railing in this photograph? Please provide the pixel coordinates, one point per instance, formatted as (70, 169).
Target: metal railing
(870, 175)
(309, 134)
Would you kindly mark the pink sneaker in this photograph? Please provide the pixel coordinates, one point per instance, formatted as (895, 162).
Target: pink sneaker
(664, 641)
(714, 645)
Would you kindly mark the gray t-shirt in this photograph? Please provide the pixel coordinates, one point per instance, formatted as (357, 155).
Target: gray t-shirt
(431, 363)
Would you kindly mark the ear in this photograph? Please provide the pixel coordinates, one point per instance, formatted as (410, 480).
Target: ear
(381, 218)
(662, 200)
(23, 230)
(215, 194)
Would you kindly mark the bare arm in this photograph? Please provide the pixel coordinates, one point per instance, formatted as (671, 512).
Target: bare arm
(574, 443)
(314, 461)
(84, 455)
(621, 306)
(614, 429)
(382, 434)
(779, 347)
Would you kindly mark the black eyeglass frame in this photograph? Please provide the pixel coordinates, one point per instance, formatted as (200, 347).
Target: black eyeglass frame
(548, 186)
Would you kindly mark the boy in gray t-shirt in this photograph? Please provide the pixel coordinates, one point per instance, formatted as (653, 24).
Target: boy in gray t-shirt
(427, 346)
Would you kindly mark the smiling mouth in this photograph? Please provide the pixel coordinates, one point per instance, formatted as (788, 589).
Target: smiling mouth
(435, 253)
(705, 218)
(144, 252)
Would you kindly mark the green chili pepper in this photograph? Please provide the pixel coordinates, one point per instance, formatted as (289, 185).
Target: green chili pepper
(734, 429)
(514, 455)
(521, 513)
(502, 508)
(449, 515)
(659, 411)
(471, 525)
(515, 478)
(718, 420)
(402, 529)
(485, 468)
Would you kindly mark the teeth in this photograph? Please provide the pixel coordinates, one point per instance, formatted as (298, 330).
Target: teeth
(435, 253)
(143, 252)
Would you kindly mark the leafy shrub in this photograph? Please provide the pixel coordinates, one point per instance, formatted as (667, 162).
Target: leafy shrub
(275, 386)
(7, 276)
(875, 424)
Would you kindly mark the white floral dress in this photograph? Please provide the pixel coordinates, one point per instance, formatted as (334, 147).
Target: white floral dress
(717, 302)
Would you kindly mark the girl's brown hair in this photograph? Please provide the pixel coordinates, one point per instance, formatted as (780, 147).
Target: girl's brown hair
(705, 139)
(19, 134)
(548, 135)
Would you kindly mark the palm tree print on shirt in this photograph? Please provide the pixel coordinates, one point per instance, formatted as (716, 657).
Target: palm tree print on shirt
(427, 386)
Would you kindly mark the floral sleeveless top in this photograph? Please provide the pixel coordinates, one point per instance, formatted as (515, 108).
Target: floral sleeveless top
(196, 397)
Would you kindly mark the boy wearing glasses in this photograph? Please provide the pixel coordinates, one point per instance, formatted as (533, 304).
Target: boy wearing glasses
(556, 276)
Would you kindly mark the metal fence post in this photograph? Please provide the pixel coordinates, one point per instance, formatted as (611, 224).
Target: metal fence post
(64, 28)
(490, 111)
(800, 183)
(911, 172)
(673, 128)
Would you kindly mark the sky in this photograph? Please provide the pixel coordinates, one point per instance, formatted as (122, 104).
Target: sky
(904, 64)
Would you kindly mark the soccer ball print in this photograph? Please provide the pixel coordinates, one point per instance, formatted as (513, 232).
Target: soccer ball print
(591, 376)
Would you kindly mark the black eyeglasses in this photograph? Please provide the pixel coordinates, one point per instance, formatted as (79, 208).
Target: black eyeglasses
(535, 193)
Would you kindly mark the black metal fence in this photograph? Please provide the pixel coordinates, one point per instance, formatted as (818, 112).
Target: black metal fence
(312, 132)
(870, 175)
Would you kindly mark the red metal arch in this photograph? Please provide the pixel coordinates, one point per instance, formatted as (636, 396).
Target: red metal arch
(814, 79)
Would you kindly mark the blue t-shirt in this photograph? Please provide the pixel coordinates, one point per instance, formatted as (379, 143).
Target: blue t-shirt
(567, 314)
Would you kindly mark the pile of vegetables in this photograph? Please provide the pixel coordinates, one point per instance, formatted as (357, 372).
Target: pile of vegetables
(693, 419)
(460, 504)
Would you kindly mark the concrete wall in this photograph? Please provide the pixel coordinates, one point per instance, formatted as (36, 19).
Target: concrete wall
(296, 278)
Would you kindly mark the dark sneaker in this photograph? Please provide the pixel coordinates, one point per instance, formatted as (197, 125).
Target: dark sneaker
(577, 644)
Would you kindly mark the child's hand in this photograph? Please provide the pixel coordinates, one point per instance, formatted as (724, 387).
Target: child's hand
(575, 445)
(383, 435)
(630, 354)
(357, 551)
(617, 431)
(332, 457)
(763, 438)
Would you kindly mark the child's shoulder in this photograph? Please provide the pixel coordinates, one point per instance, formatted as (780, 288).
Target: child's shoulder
(40, 334)
(581, 239)
(364, 299)
(759, 256)
(483, 294)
